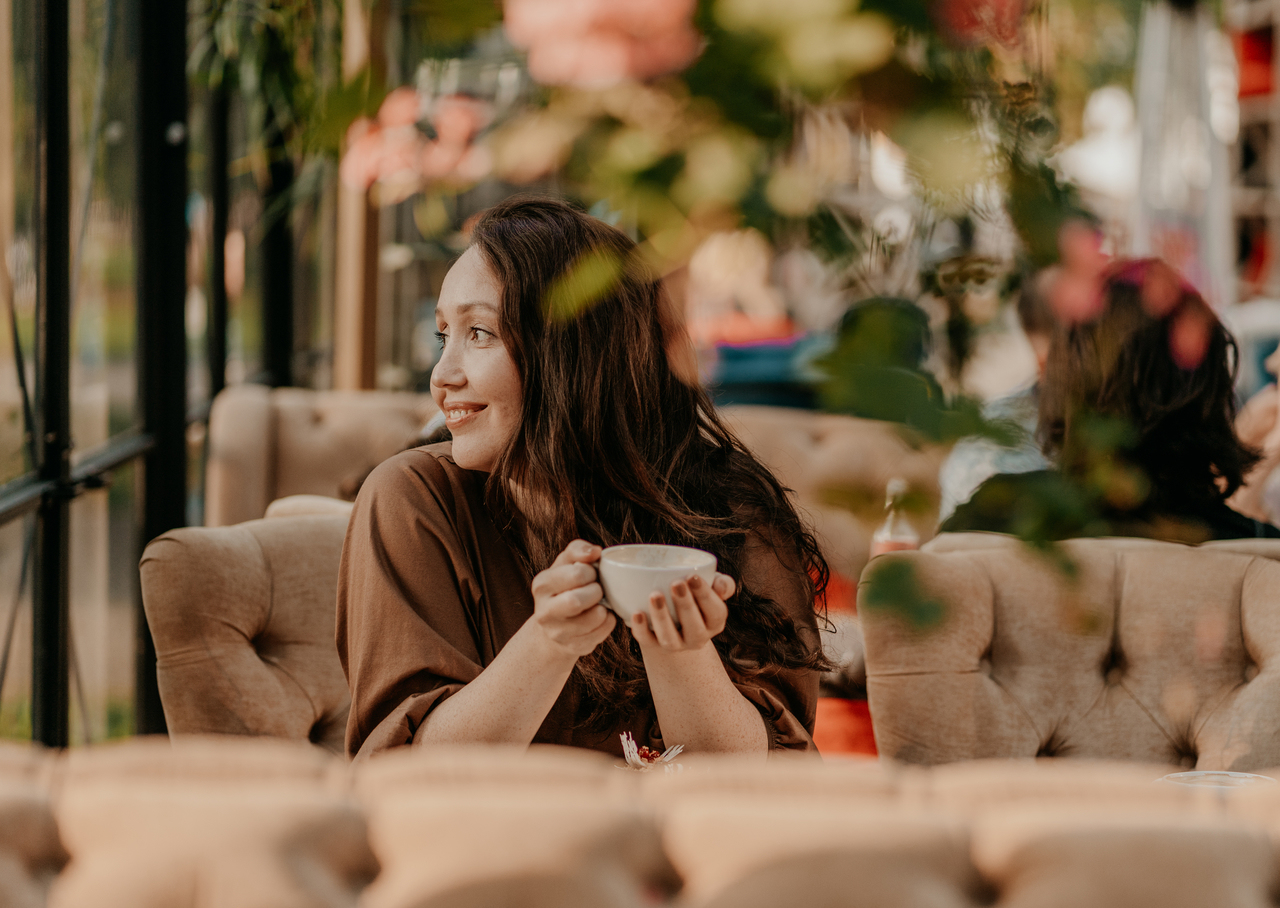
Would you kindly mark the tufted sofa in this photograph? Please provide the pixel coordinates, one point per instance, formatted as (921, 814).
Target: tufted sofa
(1157, 652)
(242, 823)
(266, 444)
(814, 453)
(243, 621)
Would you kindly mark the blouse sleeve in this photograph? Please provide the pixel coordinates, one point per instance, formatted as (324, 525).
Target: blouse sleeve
(403, 632)
(786, 698)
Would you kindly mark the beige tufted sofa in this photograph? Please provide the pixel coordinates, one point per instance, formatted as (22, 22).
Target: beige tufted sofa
(1158, 652)
(243, 622)
(251, 823)
(812, 453)
(266, 444)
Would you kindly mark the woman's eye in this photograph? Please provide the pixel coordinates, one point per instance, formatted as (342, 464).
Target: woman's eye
(479, 334)
(442, 337)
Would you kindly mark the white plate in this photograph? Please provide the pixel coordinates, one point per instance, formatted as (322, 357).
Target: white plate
(1207, 778)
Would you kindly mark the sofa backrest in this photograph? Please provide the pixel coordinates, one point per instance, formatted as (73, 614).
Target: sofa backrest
(266, 444)
(1156, 651)
(243, 622)
(812, 453)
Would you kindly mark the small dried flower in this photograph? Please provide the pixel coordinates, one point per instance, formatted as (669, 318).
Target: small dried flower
(645, 759)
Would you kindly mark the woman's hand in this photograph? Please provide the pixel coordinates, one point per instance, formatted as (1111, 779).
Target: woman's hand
(699, 609)
(566, 601)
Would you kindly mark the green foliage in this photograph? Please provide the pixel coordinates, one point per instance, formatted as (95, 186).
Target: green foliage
(587, 281)
(890, 586)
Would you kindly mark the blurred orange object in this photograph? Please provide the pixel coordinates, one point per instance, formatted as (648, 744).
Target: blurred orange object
(842, 593)
(844, 727)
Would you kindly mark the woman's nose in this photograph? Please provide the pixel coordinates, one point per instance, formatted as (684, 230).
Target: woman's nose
(448, 372)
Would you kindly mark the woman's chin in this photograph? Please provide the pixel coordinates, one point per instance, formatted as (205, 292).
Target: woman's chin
(470, 459)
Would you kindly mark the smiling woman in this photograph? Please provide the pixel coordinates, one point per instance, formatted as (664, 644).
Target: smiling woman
(475, 383)
(469, 604)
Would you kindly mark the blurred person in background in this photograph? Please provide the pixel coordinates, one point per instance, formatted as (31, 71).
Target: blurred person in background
(975, 460)
(469, 607)
(1137, 402)
(1258, 426)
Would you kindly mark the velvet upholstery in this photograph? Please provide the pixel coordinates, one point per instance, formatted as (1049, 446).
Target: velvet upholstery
(266, 444)
(812, 453)
(1158, 652)
(243, 622)
(233, 822)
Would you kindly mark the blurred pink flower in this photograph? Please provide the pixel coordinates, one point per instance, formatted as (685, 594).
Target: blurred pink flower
(362, 162)
(392, 150)
(1161, 290)
(399, 108)
(1189, 337)
(596, 43)
(1076, 293)
(981, 21)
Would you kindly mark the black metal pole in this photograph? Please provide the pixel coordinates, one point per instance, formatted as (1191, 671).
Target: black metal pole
(161, 285)
(220, 206)
(49, 683)
(277, 240)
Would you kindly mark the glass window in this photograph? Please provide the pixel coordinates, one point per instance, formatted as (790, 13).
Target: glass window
(104, 580)
(104, 311)
(16, 538)
(17, 234)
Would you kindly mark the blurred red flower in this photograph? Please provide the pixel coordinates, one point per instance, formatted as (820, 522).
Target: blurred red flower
(972, 22)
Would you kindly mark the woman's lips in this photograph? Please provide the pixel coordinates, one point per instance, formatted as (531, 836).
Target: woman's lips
(460, 414)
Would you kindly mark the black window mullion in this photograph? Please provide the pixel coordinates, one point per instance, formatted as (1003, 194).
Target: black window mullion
(50, 690)
(161, 239)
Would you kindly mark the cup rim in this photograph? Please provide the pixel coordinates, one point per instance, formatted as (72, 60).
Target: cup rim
(708, 559)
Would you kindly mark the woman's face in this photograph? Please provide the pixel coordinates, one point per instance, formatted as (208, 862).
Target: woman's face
(475, 383)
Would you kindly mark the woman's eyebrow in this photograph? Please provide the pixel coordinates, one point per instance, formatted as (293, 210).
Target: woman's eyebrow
(464, 308)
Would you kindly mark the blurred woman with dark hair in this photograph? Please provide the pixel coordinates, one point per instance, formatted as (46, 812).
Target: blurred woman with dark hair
(1138, 404)
(468, 607)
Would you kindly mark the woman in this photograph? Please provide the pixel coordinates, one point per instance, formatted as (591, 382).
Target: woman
(468, 605)
(1153, 376)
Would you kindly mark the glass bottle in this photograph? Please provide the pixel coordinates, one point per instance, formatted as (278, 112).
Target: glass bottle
(896, 534)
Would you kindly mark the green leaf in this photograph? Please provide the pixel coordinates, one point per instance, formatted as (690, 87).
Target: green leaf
(890, 587)
(591, 278)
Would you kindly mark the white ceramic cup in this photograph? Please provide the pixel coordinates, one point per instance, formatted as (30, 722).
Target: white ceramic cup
(630, 573)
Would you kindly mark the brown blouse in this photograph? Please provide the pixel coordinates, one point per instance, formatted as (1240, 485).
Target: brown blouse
(430, 590)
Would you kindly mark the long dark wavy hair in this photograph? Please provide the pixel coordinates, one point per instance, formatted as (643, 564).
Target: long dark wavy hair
(613, 447)
(1177, 393)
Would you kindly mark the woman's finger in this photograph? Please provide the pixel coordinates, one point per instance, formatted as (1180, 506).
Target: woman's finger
(723, 586)
(574, 602)
(578, 551)
(642, 630)
(693, 629)
(664, 627)
(558, 579)
(711, 605)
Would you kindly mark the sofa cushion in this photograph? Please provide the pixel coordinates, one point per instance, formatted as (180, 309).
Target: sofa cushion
(268, 443)
(31, 851)
(184, 844)
(243, 622)
(1064, 858)
(1157, 652)
(812, 453)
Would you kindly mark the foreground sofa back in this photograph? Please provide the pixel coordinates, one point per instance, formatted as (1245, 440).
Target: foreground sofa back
(266, 444)
(243, 622)
(1157, 652)
(250, 823)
